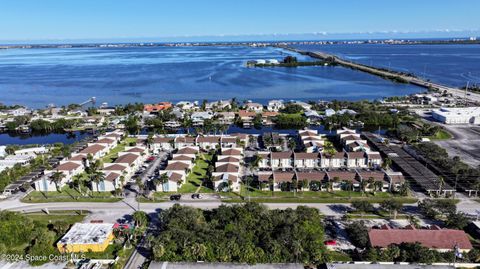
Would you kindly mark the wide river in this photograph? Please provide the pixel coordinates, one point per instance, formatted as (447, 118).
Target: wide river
(38, 77)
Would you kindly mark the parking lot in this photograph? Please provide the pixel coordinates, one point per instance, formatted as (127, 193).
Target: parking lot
(465, 144)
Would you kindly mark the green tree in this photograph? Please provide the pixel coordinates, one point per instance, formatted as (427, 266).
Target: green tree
(392, 206)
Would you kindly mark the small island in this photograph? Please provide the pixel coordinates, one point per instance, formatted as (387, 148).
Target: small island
(289, 61)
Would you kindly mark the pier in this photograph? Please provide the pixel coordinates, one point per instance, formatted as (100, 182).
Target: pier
(389, 74)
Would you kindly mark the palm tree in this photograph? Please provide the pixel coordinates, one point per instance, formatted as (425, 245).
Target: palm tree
(78, 182)
(56, 178)
(149, 141)
(363, 185)
(292, 144)
(387, 163)
(97, 177)
(371, 183)
(163, 179)
(378, 185)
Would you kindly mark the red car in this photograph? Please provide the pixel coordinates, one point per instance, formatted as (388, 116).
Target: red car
(330, 243)
(151, 159)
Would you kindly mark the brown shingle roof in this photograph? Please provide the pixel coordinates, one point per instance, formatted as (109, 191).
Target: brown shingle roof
(374, 155)
(342, 175)
(176, 177)
(230, 177)
(68, 166)
(376, 175)
(282, 155)
(187, 151)
(177, 166)
(111, 177)
(93, 149)
(79, 157)
(283, 176)
(229, 160)
(105, 141)
(127, 158)
(305, 156)
(265, 176)
(136, 149)
(313, 176)
(182, 158)
(159, 140)
(115, 167)
(208, 139)
(231, 152)
(435, 239)
(356, 155)
(227, 168)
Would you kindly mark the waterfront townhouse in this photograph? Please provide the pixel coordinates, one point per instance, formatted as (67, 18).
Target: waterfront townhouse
(374, 159)
(356, 159)
(376, 180)
(67, 168)
(357, 145)
(120, 169)
(97, 151)
(174, 182)
(79, 158)
(106, 142)
(337, 160)
(396, 180)
(341, 179)
(111, 182)
(241, 137)
(185, 141)
(283, 180)
(227, 176)
(187, 151)
(221, 160)
(131, 161)
(264, 159)
(233, 152)
(163, 144)
(281, 160)
(306, 160)
(208, 142)
(312, 180)
(142, 151)
(229, 141)
(178, 168)
(182, 158)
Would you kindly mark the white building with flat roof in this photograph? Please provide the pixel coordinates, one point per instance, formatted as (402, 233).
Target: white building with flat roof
(457, 115)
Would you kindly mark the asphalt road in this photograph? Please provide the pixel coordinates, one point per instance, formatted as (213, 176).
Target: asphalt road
(123, 209)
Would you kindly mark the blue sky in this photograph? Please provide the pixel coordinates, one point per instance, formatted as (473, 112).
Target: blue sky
(144, 19)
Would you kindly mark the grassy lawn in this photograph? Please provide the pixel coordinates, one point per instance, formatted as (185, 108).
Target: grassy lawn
(441, 135)
(197, 175)
(68, 194)
(337, 256)
(315, 197)
(113, 154)
(69, 216)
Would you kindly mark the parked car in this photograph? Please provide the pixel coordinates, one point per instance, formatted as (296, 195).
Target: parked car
(175, 197)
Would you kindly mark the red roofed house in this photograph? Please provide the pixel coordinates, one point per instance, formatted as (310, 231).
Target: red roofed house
(442, 240)
(155, 108)
(111, 182)
(283, 159)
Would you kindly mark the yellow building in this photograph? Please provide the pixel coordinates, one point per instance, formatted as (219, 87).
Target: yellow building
(85, 237)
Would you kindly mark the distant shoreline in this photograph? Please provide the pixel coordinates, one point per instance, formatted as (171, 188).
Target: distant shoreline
(463, 41)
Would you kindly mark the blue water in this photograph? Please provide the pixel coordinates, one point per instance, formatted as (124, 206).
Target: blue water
(452, 65)
(24, 139)
(38, 77)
